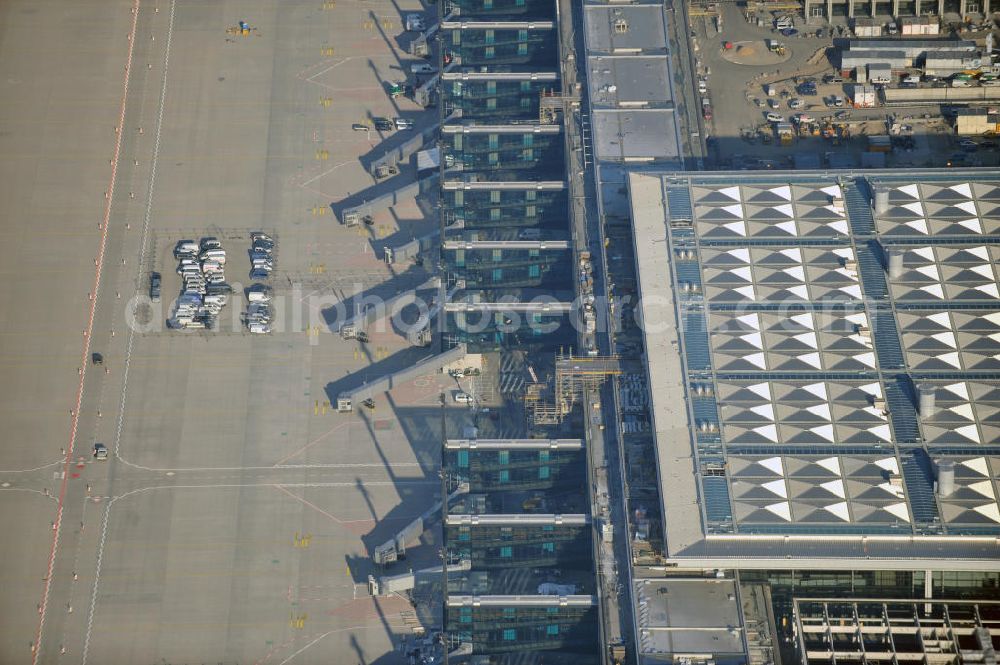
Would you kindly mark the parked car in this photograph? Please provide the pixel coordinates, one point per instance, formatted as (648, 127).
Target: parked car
(463, 398)
(774, 117)
(422, 68)
(359, 127)
(100, 451)
(383, 124)
(154, 286)
(403, 123)
(796, 103)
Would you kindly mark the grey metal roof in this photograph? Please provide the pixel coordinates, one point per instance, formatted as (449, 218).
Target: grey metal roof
(807, 352)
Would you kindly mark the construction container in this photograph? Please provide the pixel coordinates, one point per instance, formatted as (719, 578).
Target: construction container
(919, 25)
(863, 96)
(867, 27)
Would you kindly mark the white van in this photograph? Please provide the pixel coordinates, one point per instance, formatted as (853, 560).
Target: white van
(774, 117)
(257, 296)
(463, 398)
(422, 68)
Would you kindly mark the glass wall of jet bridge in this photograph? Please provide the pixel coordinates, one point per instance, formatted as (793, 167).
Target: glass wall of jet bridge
(489, 268)
(485, 154)
(479, 47)
(526, 546)
(503, 209)
(494, 100)
(492, 331)
(525, 470)
(500, 9)
(508, 629)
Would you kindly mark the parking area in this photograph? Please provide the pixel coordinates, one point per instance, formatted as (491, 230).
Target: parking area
(234, 516)
(771, 95)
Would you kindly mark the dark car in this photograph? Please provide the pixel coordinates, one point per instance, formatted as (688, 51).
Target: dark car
(789, 32)
(154, 286)
(384, 125)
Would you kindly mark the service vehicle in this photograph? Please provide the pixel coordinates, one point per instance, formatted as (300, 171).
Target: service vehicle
(415, 23)
(154, 286)
(422, 68)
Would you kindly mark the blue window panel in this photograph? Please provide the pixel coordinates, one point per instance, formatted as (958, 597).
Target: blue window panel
(463, 458)
(549, 548)
(464, 536)
(534, 271)
(543, 455)
(552, 629)
(503, 457)
(465, 618)
(509, 612)
(543, 473)
(497, 274)
(506, 551)
(552, 610)
(509, 634)
(505, 476)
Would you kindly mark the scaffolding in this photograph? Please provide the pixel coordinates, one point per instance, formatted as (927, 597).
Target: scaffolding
(575, 375)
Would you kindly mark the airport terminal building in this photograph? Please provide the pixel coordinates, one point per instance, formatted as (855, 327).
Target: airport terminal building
(823, 361)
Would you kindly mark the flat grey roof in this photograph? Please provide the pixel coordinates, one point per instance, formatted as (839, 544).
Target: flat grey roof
(631, 80)
(635, 134)
(644, 28)
(521, 601)
(688, 617)
(800, 357)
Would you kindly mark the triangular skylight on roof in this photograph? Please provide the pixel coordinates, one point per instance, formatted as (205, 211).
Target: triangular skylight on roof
(946, 338)
(743, 272)
(881, 431)
(799, 291)
(866, 359)
(852, 290)
(916, 207)
(739, 228)
(840, 510)
(804, 320)
(840, 226)
(973, 225)
(761, 389)
(888, 463)
(794, 253)
(930, 271)
(785, 209)
(968, 206)
(989, 289)
(764, 410)
(964, 189)
(756, 359)
(985, 270)
(961, 389)
(789, 228)
(741, 253)
(746, 291)
(979, 252)
(777, 487)
(769, 432)
(934, 289)
(773, 464)
(798, 272)
(817, 389)
(731, 192)
(977, 464)
(809, 339)
(782, 510)
(784, 191)
(811, 359)
(872, 389)
(926, 253)
(950, 359)
(964, 410)
(750, 320)
(989, 510)
(898, 510)
(970, 432)
(918, 225)
(821, 410)
(756, 340)
(909, 190)
(835, 487)
(983, 488)
(823, 431)
(831, 464)
(940, 318)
